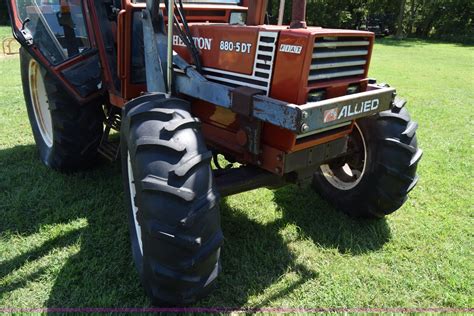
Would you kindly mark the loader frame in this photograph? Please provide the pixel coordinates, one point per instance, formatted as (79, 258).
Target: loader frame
(300, 119)
(303, 120)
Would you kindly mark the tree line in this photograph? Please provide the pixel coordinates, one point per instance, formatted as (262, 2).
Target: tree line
(439, 19)
(451, 20)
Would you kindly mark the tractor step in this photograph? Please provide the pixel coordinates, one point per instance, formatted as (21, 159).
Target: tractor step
(110, 151)
(110, 146)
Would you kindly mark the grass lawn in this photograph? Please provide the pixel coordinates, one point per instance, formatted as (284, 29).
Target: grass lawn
(5, 32)
(64, 238)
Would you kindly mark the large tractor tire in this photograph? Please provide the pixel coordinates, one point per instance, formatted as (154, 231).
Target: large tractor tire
(173, 205)
(67, 134)
(375, 178)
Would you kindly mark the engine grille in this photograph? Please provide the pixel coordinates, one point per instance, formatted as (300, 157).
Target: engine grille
(338, 57)
(262, 69)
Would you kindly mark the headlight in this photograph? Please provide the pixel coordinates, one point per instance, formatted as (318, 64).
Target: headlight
(317, 95)
(352, 89)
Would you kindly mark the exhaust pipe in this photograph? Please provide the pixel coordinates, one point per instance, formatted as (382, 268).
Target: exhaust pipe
(281, 12)
(298, 15)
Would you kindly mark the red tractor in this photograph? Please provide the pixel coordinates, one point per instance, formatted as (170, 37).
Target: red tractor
(191, 82)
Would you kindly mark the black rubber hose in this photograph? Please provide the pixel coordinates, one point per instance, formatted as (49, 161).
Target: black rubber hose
(194, 50)
(187, 38)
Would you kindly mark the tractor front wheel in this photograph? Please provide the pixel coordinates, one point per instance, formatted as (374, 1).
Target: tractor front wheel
(375, 177)
(173, 205)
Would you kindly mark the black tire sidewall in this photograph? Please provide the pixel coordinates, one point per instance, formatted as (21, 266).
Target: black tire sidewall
(138, 256)
(392, 159)
(77, 129)
(136, 253)
(44, 150)
(170, 271)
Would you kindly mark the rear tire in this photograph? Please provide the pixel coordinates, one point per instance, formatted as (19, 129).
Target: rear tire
(376, 178)
(67, 134)
(173, 205)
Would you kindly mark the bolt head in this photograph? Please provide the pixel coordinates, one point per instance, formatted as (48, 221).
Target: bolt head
(305, 115)
(304, 128)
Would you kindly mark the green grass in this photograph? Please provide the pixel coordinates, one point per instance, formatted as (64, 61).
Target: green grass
(5, 31)
(64, 238)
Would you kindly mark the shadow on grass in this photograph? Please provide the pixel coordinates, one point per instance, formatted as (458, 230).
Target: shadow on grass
(255, 255)
(327, 227)
(35, 200)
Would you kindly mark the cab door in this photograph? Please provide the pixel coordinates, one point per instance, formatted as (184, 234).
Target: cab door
(57, 33)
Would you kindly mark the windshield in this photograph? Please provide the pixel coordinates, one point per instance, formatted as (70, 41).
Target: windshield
(57, 26)
(206, 1)
(213, 1)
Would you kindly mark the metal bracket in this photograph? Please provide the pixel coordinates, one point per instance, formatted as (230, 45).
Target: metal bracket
(242, 100)
(110, 147)
(238, 180)
(156, 16)
(253, 130)
(242, 104)
(27, 36)
(155, 55)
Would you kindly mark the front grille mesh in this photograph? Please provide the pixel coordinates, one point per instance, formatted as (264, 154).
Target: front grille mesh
(338, 57)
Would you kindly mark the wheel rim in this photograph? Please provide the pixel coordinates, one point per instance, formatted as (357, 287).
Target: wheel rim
(39, 100)
(347, 173)
(133, 192)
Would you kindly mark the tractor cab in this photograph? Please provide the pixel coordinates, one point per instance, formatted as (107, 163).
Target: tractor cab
(69, 37)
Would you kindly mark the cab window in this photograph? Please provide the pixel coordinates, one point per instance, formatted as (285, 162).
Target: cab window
(57, 26)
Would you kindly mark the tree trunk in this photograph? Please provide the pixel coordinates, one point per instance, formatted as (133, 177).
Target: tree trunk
(411, 22)
(401, 16)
